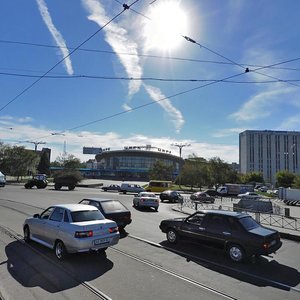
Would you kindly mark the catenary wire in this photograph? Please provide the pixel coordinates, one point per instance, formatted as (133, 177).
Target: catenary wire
(154, 56)
(141, 78)
(125, 7)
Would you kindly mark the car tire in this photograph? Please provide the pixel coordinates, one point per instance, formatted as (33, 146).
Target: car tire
(236, 253)
(172, 236)
(26, 234)
(156, 208)
(60, 250)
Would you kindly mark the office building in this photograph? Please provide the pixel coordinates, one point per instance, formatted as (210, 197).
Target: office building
(267, 152)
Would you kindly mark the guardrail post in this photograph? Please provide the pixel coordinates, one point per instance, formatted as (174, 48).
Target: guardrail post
(257, 217)
(287, 212)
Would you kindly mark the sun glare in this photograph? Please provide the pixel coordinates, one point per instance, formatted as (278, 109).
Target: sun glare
(168, 24)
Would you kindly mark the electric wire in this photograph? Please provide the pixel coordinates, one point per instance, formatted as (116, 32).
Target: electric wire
(155, 56)
(141, 78)
(125, 7)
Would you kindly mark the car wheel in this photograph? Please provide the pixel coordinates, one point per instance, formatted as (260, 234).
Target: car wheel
(236, 253)
(156, 208)
(60, 250)
(26, 234)
(172, 236)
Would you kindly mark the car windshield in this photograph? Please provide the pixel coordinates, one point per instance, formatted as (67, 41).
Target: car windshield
(248, 223)
(110, 206)
(86, 215)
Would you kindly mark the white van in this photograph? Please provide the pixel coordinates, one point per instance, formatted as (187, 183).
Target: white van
(2, 179)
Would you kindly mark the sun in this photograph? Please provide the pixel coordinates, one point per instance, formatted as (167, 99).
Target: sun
(167, 24)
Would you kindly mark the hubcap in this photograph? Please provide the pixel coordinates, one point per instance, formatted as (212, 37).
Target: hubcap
(235, 253)
(171, 236)
(59, 250)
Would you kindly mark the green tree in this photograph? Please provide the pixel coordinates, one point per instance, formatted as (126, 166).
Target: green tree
(160, 171)
(296, 184)
(18, 161)
(253, 177)
(44, 164)
(68, 162)
(285, 178)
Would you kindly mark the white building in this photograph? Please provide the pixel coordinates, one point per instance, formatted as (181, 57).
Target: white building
(267, 152)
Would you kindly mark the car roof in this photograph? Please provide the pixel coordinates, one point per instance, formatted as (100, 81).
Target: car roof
(76, 207)
(224, 213)
(100, 199)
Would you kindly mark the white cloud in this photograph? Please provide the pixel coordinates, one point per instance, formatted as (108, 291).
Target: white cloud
(228, 132)
(75, 141)
(175, 115)
(117, 38)
(59, 40)
(261, 105)
(291, 123)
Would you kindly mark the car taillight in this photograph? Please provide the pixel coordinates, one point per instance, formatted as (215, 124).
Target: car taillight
(83, 234)
(266, 246)
(113, 229)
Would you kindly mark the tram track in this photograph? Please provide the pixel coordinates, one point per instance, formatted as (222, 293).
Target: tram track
(144, 261)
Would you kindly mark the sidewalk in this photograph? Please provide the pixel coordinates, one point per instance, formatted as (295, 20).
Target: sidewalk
(288, 234)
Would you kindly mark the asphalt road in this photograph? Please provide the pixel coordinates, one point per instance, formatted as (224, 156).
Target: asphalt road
(141, 266)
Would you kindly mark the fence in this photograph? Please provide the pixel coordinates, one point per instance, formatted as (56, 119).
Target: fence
(277, 219)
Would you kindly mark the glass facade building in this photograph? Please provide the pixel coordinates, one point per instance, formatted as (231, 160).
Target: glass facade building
(134, 164)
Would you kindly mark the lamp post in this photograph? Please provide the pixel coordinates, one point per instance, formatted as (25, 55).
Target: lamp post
(180, 146)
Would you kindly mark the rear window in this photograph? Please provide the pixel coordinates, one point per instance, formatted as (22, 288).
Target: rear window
(86, 215)
(111, 206)
(248, 223)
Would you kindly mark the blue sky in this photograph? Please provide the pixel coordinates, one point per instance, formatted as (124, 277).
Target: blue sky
(88, 73)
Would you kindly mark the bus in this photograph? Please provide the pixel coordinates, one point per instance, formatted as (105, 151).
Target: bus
(158, 186)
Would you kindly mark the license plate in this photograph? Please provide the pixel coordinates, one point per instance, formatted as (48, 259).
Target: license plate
(102, 241)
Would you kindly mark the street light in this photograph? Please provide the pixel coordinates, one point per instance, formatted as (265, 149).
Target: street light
(35, 144)
(180, 146)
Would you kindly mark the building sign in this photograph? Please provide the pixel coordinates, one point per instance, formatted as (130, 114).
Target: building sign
(92, 150)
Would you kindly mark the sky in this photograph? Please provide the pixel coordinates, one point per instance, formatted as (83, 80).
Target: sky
(191, 73)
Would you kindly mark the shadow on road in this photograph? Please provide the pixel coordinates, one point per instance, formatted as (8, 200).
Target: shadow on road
(36, 266)
(260, 272)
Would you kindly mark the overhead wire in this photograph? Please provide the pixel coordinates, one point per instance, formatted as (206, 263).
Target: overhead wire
(125, 7)
(155, 56)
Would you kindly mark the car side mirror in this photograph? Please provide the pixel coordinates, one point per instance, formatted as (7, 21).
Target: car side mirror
(36, 215)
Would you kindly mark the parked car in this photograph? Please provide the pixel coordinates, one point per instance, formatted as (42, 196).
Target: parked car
(131, 188)
(171, 196)
(263, 189)
(146, 199)
(2, 179)
(211, 192)
(71, 228)
(235, 232)
(111, 209)
(251, 195)
(39, 181)
(111, 187)
(202, 197)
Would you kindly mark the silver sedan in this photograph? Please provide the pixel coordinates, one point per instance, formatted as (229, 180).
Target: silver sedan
(71, 228)
(146, 199)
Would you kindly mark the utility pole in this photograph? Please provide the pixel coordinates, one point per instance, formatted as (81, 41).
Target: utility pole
(35, 144)
(180, 146)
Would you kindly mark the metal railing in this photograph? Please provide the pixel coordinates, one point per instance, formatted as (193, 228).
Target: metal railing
(277, 219)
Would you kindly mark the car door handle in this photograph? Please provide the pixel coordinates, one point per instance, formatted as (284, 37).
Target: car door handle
(226, 233)
(201, 228)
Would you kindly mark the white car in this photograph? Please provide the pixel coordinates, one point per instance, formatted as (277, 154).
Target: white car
(251, 195)
(71, 228)
(146, 199)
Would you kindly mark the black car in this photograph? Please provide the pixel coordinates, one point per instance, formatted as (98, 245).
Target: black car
(111, 209)
(211, 192)
(171, 196)
(202, 197)
(236, 233)
(111, 187)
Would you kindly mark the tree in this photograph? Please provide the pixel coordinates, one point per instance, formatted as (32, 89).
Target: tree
(160, 171)
(44, 164)
(67, 162)
(18, 161)
(253, 177)
(297, 182)
(285, 178)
